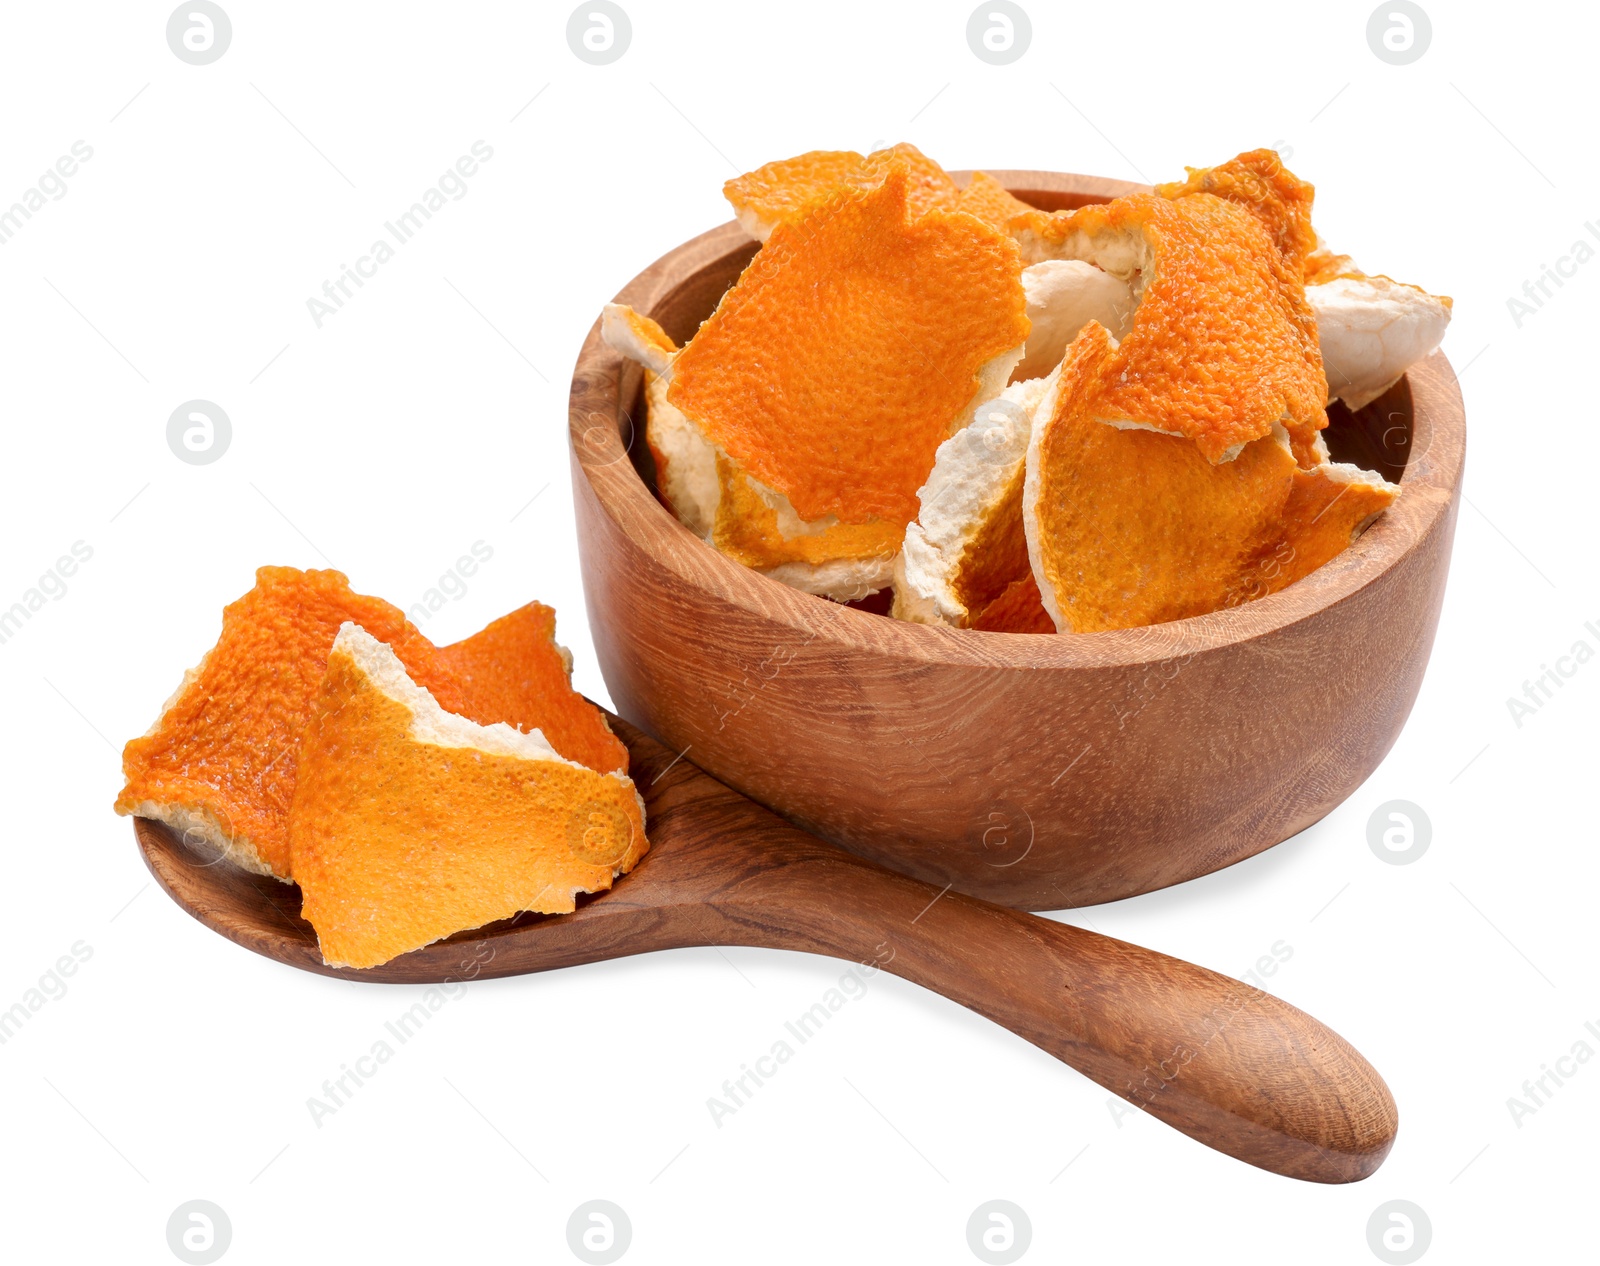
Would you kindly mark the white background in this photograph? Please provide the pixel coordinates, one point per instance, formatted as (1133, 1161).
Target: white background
(430, 414)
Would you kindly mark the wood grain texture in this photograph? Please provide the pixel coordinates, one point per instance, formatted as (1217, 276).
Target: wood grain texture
(1038, 772)
(1229, 1065)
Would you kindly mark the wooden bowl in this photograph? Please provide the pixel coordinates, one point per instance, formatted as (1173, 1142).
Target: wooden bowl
(1035, 771)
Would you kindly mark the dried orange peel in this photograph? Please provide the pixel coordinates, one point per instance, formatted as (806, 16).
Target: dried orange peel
(986, 198)
(720, 503)
(1128, 526)
(1222, 346)
(513, 671)
(1259, 182)
(1018, 609)
(966, 546)
(851, 347)
(860, 337)
(786, 191)
(687, 477)
(1063, 296)
(220, 762)
(409, 823)
(1179, 347)
(1370, 329)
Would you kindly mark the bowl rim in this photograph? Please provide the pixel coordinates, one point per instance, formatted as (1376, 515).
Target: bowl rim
(596, 415)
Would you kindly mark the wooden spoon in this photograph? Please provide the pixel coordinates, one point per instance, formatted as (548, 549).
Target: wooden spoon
(1222, 1061)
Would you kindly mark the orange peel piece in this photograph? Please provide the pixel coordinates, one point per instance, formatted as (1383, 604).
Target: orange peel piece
(1222, 346)
(785, 191)
(514, 671)
(1129, 526)
(1323, 265)
(967, 545)
(986, 198)
(409, 823)
(717, 501)
(793, 431)
(1260, 183)
(1063, 296)
(687, 479)
(637, 337)
(851, 347)
(220, 762)
(1370, 329)
(1018, 609)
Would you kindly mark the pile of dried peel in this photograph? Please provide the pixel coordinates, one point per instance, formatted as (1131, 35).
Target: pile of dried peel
(411, 790)
(1026, 421)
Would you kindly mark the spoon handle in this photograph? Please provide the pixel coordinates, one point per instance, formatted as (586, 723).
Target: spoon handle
(1226, 1063)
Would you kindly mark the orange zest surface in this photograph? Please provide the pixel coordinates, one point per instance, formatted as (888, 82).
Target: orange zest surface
(513, 671)
(227, 745)
(1323, 266)
(397, 842)
(747, 530)
(1223, 344)
(1259, 182)
(1133, 527)
(849, 349)
(989, 200)
(225, 750)
(996, 556)
(783, 192)
(1018, 609)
